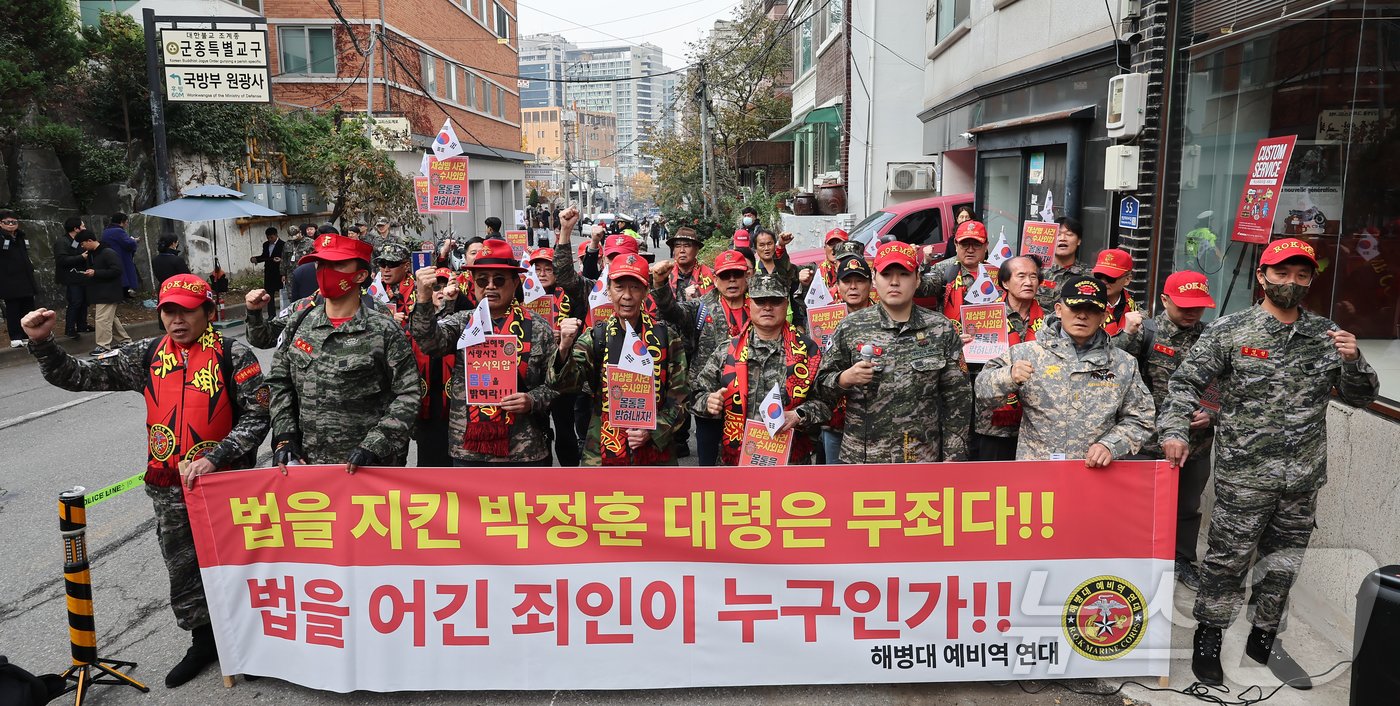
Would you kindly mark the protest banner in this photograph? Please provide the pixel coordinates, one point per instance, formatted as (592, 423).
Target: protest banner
(822, 320)
(519, 241)
(492, 370)
(631, 399)
(990, 331)
(1038, 240)
(638, 578)
(757, 448)
(421, 194)
(448, 186)
(1263, 184)
(546, 309)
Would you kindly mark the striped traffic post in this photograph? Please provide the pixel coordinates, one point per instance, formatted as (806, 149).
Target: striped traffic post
(77, 580)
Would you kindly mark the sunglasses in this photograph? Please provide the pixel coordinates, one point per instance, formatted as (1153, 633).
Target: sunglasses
(9, 222)
(389, 265)
(732, 274)
(485, 281)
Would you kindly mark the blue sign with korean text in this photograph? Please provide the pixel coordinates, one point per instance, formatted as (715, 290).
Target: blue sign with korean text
(1128, 210)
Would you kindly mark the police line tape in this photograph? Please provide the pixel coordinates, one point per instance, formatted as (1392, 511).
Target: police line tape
(114, 489)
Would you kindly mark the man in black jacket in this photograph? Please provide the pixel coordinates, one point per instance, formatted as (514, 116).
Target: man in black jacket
(105, 291)
(17, 285)
(271, 259)
(70, 267)
(168, 261)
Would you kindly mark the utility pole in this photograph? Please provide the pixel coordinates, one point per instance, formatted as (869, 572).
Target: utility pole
(164, 190)
(568, 175)
(369, 85)
(706, 172)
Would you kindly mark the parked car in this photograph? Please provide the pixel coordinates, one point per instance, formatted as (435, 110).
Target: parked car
(920, 222)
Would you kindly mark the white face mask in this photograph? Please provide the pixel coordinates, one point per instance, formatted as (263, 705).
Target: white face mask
(748, 221)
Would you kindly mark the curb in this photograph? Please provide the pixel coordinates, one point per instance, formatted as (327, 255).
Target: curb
(233, 315)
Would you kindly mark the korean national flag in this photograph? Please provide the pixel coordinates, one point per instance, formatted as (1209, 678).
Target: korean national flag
(983, 290)
(872, 247)
(635, 356)
(446, 144)
(475, 332)
(377, 290)
(1001, 252)
(817, 293)
(598, 296)
(427, 161)
(533, 289)
(771, 410)
(1047, 214)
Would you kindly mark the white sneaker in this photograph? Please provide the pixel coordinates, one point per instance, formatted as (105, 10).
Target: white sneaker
(18, 344)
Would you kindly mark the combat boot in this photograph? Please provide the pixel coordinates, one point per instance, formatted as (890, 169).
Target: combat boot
(1205, 656)
(1265, 648)
(201, 654)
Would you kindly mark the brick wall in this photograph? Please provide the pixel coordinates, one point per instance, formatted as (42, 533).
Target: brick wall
(441, 27)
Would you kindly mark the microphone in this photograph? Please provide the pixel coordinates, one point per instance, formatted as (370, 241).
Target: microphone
(871, 354)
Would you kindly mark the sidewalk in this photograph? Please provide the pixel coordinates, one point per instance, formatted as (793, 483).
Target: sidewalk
(84, 345)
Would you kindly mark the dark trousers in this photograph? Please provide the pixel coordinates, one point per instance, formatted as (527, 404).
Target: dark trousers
(566, 448)
(75, 316)
(707, 438)
(15, 309)
(501, 464)
(432, 443)
(995, 448)
(1190, 484)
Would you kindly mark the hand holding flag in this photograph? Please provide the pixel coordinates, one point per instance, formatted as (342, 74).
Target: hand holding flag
(475, 332)
(635, 356)
(771, 410)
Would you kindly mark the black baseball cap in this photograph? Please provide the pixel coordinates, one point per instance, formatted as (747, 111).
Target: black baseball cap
(1084, 292)
(853, 265)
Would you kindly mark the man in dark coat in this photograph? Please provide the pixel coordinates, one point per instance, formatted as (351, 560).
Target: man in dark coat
(168, 261)
(17, 286)
(271, 260)
(105, 291)
(121, 242)
(70, 266)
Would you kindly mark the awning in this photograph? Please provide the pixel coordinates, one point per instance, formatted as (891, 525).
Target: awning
(831, 115)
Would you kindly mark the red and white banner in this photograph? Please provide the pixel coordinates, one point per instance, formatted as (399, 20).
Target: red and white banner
(1263, 185)
(635, 578)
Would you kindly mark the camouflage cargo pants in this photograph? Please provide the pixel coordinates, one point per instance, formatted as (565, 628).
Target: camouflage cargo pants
(177, 548)
(1278, 526)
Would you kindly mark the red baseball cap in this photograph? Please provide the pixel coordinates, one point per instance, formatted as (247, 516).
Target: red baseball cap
(338, 248)
(742, 239)
(731, 260)
(1188, 289)
(582, 247)
(896, 253)
(444, 273)
(629, 265)
(496, 255)
(1281, 250)
(186, 292)
(620, 244)
(836, 234)
(546, 254)
(970, 230)
(1114, 262)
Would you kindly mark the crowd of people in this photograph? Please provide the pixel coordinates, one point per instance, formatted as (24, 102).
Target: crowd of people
(359, 371)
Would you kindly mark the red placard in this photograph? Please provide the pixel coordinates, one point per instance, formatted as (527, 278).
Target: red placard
(989, 328)
(1254, 219)
(631, 399)
(546, 309)
(1038, 240)
(448, 186)
(757, 448)
(519, 240)
(421, 195)
(492, 370)
(602, 312)
(822, 320)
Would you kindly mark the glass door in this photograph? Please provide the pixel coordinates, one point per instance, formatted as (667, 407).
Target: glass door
(1001, 179)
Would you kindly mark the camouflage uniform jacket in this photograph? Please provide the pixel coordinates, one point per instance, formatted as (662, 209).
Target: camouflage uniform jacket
(338, 388)
(919, 409)
(582, 371)
(574, 284)
(295, 248)
(1054, 276)
(766, 369)
(1274, 380)
(437, 336)
(264, 332)
(1019, 327)
(127, 371)
(1073, 399)
(1170, 345)
(702, 320)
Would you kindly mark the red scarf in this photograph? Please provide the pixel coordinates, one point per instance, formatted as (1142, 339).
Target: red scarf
(563, 305)
(408, 296)
(737, 317)
(648, 308)
(1009, 414)
(1113, 323)
(801, 362)
(488, 427)
(827, 269)
(188, 411)
(955, 294)
(702, 276)
(612, 442)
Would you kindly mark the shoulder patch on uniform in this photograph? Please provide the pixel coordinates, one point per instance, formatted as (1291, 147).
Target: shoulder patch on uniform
(263, 397)
(248, 373)
(1164, 350)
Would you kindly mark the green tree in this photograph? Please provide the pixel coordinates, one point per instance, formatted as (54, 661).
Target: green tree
(534, 199)
(113, 79)
(39, 45)
(331, 151)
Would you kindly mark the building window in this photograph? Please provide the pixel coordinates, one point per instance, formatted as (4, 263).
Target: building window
(429, 73)
(483, 100)
(452, 82)
(951, 13)
(502, 23)
(306, 50)
(486, 91)
(481, 11)
(500, 102)
(834, 14)
(471, 89)
(802, 52)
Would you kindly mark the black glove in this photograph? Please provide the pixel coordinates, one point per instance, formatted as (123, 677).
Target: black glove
(286, 450)
(361, 456)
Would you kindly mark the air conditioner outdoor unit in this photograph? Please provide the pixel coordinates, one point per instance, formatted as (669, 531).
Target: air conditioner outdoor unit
(910, 177)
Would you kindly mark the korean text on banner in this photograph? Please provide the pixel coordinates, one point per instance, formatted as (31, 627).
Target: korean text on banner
(757, 448)
(492, 370)
(636, 578)
(631, 399)
(448, 186)
(1263, 184)
(1038, 240)
(422, 196)
(990, 331)
(519, 241)
(821, 322)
